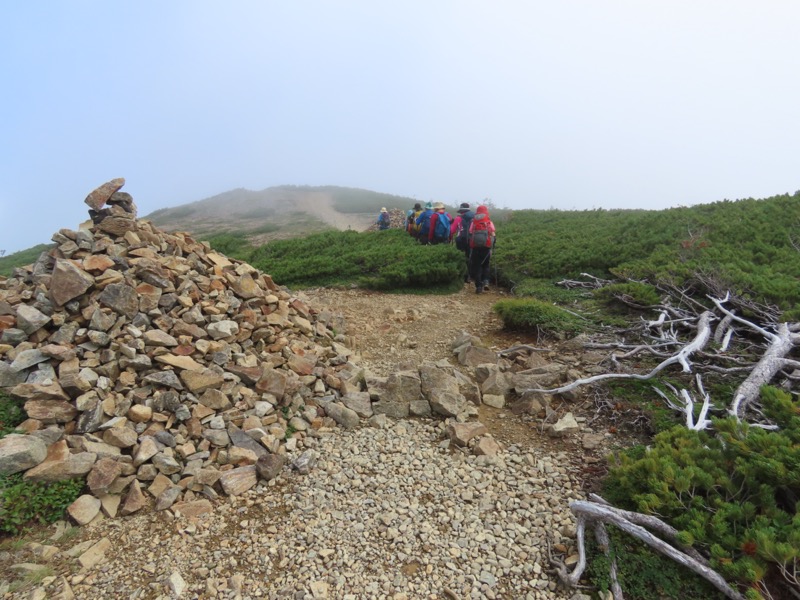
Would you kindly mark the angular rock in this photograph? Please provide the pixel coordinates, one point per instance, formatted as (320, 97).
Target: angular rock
(269, 466)
(95, 555)
(238, 481)
(461, 433)
(156, 337)
(564, 426)
(9, 377)
(98, 197)
(486, 446)
(181, 362)
(447, 403)
(359, 402)
(27, 359)
(135, 499)
(84, 509)
(167, 498)
(102, 475)
(50, 411)
(472, 356)
(20, 453)
(344, 416)
(73, 466)
(68, 282)
(272, 382)
(193, 508)
(215, 399)
(121, 298)
(198, 381)
(240, 439)
(493, 400)
(402, 388)
(30, 319)
(165, 379)
(222, 329)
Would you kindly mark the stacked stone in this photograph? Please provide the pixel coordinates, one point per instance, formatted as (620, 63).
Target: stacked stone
(397, 220)
(161, 371)
(146, 361)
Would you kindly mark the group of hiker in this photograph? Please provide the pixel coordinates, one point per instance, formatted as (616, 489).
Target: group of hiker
(472, 232)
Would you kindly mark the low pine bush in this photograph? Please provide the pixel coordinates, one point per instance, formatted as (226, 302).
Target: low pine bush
(632, 292)
(734, 494)
(643, 573)
(531, 314)
(380, 260)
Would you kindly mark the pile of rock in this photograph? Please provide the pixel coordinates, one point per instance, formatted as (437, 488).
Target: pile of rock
(161, 371)
(397, 220)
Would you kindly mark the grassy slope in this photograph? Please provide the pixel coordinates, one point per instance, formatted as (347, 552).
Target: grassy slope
(21, 258)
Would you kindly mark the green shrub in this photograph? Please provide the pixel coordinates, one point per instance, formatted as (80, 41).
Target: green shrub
(547, 290)
(734, 494)
(634, 292)
(11, 414)
(230, 244)
(747, 247)
(380, 260)
(528, 313)
(643, 573)
(24, 503)
(21, 258)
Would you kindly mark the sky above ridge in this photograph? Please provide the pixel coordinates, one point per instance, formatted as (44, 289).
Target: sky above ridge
(574, 104)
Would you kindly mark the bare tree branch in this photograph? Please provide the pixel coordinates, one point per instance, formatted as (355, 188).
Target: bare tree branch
(682, 358)
(592, 512)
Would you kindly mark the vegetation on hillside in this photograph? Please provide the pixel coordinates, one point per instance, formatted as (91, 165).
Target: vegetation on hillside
(750, 247)
(21, 258)
(379, 260)
(734, 494)
(733, 491)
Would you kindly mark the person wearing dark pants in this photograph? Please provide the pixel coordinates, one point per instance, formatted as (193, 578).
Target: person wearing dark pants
(460, 233)
(479, 260)
(482, 239)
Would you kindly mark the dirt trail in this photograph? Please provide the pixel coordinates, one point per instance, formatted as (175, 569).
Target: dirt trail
(397, 329)
(320, 204)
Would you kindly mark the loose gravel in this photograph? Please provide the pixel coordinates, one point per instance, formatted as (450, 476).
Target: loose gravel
(391, 513)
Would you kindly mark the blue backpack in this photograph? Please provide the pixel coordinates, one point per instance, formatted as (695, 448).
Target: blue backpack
(424, 222)
(442, 231)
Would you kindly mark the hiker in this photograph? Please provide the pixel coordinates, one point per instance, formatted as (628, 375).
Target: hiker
(459, 231)
(481, 241)
(423, 223)
(439, 231)
(384, 222)
(411, 220)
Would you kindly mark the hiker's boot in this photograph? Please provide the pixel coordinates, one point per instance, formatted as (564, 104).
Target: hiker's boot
(478, 289)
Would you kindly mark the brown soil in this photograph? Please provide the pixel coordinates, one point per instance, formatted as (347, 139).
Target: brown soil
(402, 330)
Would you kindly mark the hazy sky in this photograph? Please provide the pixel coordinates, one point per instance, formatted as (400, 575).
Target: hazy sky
(570, 104)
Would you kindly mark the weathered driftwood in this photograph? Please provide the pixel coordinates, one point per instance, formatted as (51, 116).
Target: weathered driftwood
(591, 512)
(681, 357)
(781, 343)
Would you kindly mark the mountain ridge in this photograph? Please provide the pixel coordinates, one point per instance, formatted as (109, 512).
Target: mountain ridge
(279, 211)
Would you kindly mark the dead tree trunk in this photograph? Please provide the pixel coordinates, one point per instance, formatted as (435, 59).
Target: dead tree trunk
(590, 512)
(681, 357)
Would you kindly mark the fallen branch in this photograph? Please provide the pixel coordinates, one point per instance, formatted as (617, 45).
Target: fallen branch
(781, 343)
(682, 358)
(586, 512)
(687, 409)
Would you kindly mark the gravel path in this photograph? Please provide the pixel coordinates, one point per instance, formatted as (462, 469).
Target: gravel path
(385, 513)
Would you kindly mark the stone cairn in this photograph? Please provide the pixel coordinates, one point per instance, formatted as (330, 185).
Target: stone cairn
(165, 374)
(397, 220)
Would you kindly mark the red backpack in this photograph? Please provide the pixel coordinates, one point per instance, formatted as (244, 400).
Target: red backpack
(479, 236)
